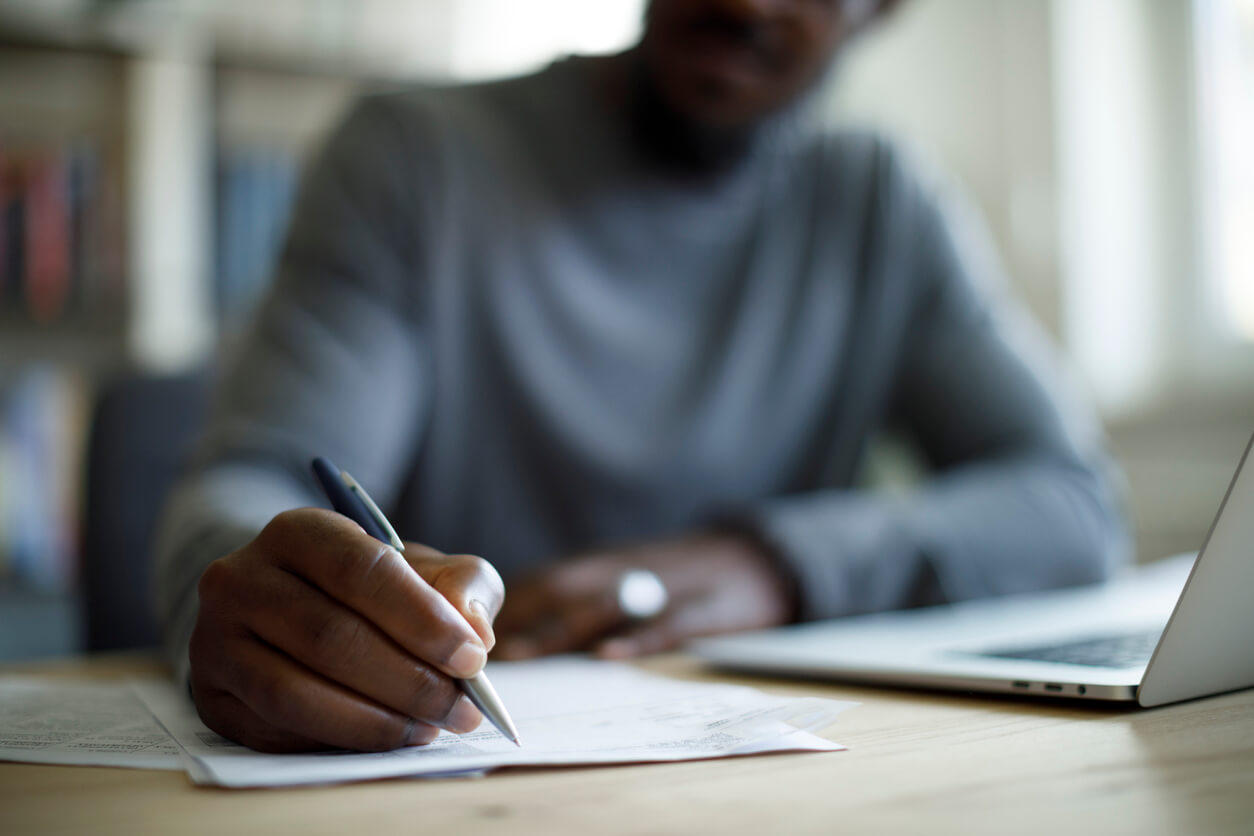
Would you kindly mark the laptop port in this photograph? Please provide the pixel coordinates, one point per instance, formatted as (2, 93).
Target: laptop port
(1021, 684)
(1052, 686)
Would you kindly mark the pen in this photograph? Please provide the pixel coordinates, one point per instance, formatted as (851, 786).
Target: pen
(350, 499)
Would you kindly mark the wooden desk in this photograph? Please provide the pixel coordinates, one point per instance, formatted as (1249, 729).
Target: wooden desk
(918, 763)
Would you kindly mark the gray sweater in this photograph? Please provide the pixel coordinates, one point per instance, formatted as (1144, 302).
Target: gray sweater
(525, 340)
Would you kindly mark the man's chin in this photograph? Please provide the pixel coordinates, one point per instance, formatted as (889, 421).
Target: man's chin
(692, 122)
(714, 105)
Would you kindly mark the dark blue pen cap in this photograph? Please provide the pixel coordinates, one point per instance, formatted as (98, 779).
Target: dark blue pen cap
(342, 499)
(326, 473)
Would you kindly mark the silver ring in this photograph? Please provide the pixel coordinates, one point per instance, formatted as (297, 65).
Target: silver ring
(641, 594)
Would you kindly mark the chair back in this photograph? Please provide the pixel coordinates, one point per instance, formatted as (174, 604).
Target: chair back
(141, 430)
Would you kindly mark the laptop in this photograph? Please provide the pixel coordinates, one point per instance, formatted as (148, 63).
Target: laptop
(1170, 631)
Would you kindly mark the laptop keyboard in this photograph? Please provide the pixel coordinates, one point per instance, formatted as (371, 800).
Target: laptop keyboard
(1120, 651)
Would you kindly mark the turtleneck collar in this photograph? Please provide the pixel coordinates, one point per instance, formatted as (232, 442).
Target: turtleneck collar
(675, 147)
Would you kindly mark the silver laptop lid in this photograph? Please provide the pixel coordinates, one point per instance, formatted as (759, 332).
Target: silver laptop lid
(1208, 646)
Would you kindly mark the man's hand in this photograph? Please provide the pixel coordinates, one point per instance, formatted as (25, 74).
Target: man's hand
(715, 583)
(316, 635)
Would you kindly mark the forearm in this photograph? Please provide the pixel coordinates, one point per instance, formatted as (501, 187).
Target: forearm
(986, 528)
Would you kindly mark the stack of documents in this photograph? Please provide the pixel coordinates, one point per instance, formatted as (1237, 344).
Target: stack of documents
(568, 711)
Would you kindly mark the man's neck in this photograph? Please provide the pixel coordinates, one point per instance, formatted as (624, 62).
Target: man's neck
(669, 139)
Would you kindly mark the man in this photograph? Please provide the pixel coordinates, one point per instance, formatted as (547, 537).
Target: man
(633, 312)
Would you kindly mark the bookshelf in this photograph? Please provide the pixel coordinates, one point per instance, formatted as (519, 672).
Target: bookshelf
(195, 119)
(63, 317)
(149, 154)
(62, 158)
(145, 184)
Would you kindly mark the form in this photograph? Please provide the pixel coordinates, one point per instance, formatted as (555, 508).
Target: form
(568, 711)
(42, 721)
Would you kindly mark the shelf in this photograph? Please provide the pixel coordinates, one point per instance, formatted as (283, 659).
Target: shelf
(95, 344)
(238, 39)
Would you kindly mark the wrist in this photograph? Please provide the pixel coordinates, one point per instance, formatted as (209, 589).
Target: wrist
(743, 539)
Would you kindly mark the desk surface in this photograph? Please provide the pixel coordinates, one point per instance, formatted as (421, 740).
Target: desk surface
(918, 762)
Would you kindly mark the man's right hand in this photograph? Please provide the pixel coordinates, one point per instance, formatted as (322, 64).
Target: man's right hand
(316, 635)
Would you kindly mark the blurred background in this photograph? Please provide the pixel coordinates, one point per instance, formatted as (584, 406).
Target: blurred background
(149, 152)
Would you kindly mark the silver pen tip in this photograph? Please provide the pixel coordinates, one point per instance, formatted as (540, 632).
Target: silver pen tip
(507, 728)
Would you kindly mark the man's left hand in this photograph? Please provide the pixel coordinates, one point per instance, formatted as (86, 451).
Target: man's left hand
(715, 583)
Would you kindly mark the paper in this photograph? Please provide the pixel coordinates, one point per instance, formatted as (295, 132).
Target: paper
(568, 711)
(74, 723)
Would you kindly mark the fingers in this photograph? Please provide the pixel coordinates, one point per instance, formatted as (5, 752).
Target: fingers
(716, 582)
(665, 632)
(339, 644)
(657, 636)
(469, 583)
(572, 626)
(226, 714)
(269, 702)
(315, 635)
(562, 610)
(727, 583)
(338, 557)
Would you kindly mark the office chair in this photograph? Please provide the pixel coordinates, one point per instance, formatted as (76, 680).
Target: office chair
(141, 429)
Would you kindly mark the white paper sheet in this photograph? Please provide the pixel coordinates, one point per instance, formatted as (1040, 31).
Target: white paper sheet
(44, 721)
(568, 711)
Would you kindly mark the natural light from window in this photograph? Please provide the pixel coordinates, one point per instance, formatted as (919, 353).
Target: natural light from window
(1226, 116)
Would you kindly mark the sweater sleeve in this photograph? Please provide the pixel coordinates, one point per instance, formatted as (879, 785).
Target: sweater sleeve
(1019, 492)
(331, 366)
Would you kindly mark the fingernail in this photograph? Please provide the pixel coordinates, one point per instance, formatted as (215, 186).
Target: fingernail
(463, 718)
(421, 734)
(468, 660)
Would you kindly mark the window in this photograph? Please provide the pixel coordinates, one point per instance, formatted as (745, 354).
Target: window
(1225, 73)
(1155, 126)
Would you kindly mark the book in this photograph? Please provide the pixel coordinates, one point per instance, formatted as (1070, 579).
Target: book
(255, 188)
(62, 225)
(43, 418)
